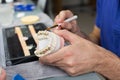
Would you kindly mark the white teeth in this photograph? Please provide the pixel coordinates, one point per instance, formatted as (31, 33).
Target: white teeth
(48, 43)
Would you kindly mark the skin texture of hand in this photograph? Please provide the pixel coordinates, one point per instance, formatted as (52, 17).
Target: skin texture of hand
(81, 56)
(3, 75)
(71, 26)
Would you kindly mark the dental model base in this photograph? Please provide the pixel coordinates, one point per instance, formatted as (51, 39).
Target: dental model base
(48, 42)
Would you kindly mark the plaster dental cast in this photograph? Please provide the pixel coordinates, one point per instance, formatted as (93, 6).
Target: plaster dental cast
(48, 43)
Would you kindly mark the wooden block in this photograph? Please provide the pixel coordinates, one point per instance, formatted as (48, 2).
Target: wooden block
(22, 41)
(33, 33)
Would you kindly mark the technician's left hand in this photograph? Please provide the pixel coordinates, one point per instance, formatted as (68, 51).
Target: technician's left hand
(81, 56)
(3, 75)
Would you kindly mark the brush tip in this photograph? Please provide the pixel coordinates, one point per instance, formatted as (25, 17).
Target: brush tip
(48, 28)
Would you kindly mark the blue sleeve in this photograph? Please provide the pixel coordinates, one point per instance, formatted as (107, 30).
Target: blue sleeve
(98, 13)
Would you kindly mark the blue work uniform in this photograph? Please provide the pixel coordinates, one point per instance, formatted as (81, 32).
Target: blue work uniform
(108, 21)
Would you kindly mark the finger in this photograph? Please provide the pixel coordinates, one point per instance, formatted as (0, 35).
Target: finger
(72, 38)
(53, 57)
(57, 20)
(67, 61)
(77, 70)
(69, 70)
(63, 15)
(79, 73)
(55, 63)
(3, 75)
(72, 71)
(66, 25)
(71, 26)
(56, 28)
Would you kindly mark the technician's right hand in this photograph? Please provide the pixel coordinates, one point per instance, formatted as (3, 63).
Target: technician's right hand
(71, 26)
(3, 75)
(81, 56)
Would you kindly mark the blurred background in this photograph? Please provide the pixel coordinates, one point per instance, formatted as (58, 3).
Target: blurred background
(85, 9)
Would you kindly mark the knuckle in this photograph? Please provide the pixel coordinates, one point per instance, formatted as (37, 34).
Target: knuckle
(47, 59)
(68, 11)
(70, 63)
(71, 71)
(69, 54)
(64, 31)
(63, 11)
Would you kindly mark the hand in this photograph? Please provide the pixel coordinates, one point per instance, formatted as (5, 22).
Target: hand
(81, 56)
(3, 75)
(71, 26)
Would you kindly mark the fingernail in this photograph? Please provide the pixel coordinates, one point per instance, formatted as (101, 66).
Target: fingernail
(59, 24)
(58, 28)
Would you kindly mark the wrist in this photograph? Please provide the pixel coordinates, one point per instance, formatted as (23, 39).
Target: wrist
(108, 65)
(102, 60)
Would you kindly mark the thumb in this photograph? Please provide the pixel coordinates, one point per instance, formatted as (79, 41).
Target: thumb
(67, 35)
(3, 75)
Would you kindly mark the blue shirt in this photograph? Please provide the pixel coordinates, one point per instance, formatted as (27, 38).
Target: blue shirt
(108, 20)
